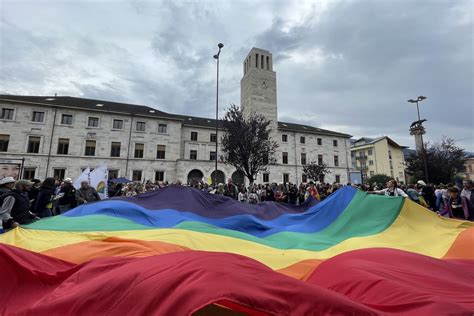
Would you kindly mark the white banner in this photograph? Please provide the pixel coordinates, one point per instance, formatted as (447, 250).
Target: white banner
(98, 180)
(83, 177)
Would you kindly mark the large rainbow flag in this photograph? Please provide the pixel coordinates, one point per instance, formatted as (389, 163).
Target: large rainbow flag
(179, 251)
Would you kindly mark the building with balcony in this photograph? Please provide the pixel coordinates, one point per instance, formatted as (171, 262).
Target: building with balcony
(381, 155)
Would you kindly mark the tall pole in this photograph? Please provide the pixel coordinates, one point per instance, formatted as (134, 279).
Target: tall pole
(216, 56)
(423, 151)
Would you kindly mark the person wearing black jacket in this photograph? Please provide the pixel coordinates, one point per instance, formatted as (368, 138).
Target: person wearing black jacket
(44, 202)
(67, 195)
(18, 205)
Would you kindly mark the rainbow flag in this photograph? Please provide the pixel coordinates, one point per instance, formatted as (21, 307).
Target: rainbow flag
(179, 251)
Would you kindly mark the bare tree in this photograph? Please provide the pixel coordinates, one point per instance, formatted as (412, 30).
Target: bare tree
(246, 143)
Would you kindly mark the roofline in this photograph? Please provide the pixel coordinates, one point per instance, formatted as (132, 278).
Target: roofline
(376, 140)
(95, 110)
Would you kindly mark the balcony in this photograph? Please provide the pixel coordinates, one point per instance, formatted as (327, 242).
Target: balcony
(361, 157)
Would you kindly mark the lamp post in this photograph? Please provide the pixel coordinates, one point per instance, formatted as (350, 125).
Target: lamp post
(216, 56)
(419, 99)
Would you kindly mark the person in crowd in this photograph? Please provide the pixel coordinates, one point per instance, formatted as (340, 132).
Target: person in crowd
(231, 190)
(243, 195)
(413, 193)
(301, 193)
(220, 189)
(86, 194)
(270, 196)
(280, 193)
(67, 196)
(253, 198)
(34, 191)
(391, 190)
(458, 206)
(292, 194)
(6, 184)
(313, 191)
(46, 197)
(467, 190)
(428, 194)
(15, 205)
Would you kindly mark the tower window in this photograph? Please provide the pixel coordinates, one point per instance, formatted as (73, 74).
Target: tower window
(261, 61)
(268, 63)
(256, 60)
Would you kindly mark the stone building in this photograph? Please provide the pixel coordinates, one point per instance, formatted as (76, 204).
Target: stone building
(379, 156)
(60, 136)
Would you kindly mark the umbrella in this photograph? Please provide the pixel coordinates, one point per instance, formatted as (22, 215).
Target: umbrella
(120, 180)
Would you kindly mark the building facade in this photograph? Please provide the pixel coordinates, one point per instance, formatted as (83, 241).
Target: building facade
(60, 136)
(378, 156)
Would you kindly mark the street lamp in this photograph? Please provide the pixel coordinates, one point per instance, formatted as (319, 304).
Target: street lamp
(216, 56)
(419, 99)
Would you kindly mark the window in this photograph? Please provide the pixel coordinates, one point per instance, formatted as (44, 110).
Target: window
(136, 175)
(389, 154)
(162, 128)
(372, 174)
(338, 178)
(370, 152)
(7, 114)
(4, 140)
(90, 148)
(159, 176)
(302, 140)
(212, 155)
(285, 158)
(320, 141)
(38, 117)
(391, 164)
(194, 136)
(284, 138)
(303, 158)
(93, 122)
(268, 63)
(371, 162)
(29, 173)
(320, 159)
(160, 152)
(286, 177)
(336, 161)
(213, 138)
(139, 148)
(140, 126)
(193, 154)
(334, 142)
(113, 174)
(266, 177)
(400, 174)
(34, 144)
(59, 173)
(66, 119)
(117, 124)
(115, 149)
(304, 178)
(63, 146)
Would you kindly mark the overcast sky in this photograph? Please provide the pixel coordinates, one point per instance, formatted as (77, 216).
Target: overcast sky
(347, 66)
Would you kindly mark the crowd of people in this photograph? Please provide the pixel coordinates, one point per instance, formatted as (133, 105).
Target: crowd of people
(24, 201)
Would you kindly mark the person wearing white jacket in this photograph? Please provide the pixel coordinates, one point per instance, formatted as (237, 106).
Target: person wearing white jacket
(391, 190)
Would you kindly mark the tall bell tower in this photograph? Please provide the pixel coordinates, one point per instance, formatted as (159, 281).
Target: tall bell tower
(258, 92)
